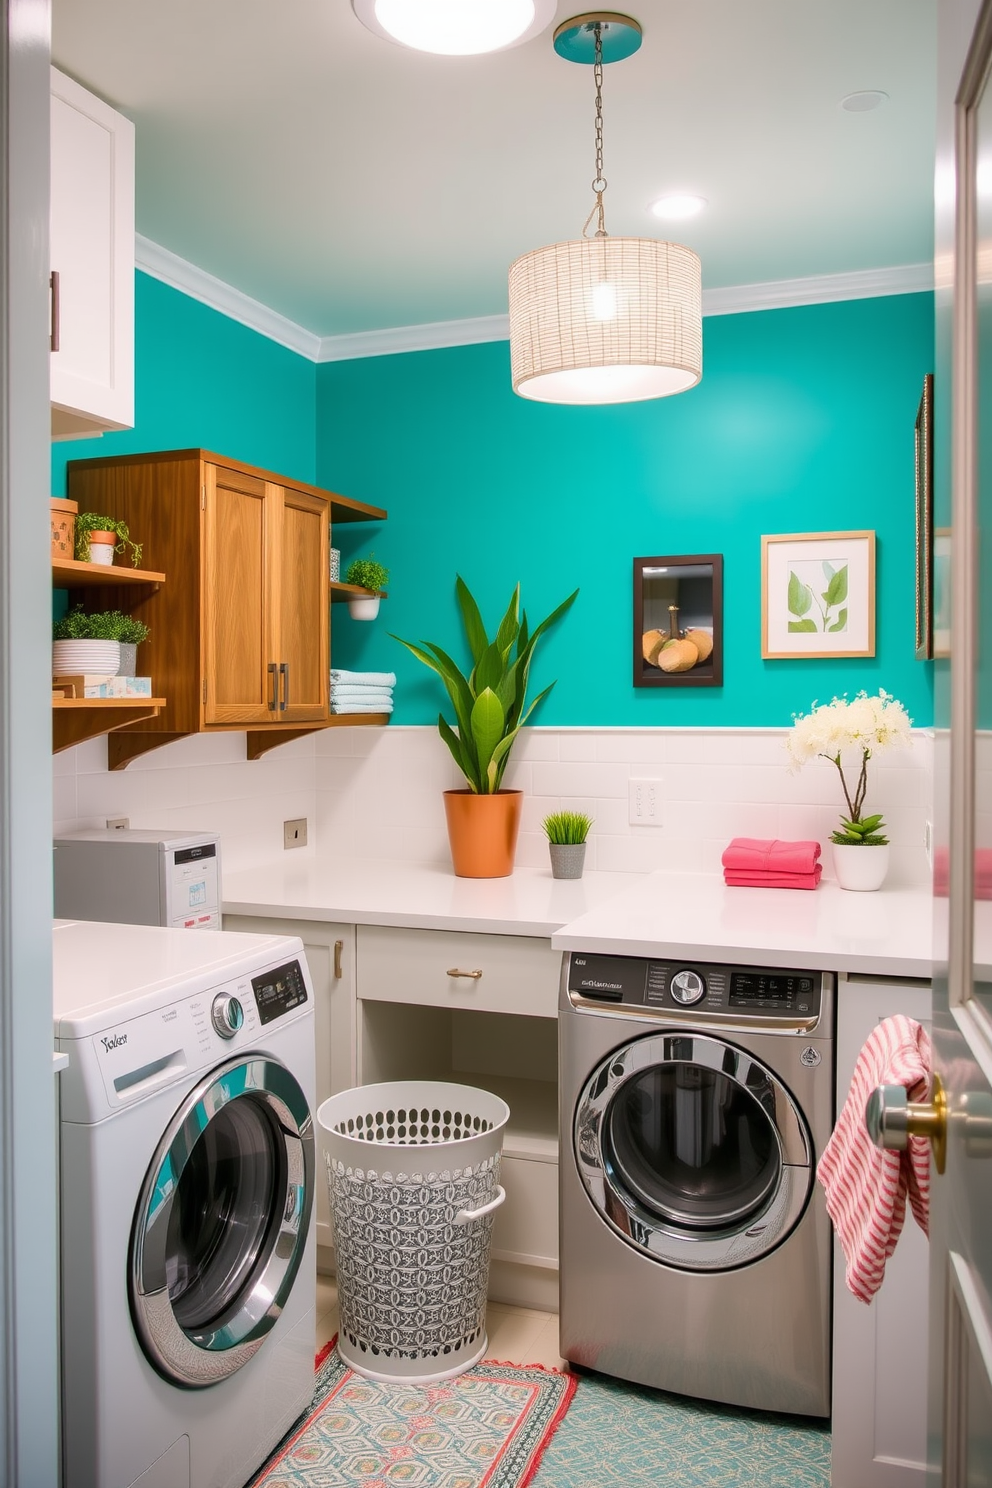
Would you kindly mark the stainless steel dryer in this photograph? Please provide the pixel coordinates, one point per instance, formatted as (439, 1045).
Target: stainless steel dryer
(695, 1244)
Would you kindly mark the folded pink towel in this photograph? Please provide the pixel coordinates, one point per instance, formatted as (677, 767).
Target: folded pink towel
(767, 855)
(773, 880)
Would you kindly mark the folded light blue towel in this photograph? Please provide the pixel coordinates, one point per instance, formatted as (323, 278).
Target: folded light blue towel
(337, 707)
(363, 679)
(361, 694)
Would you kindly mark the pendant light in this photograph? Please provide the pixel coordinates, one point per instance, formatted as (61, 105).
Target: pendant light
(456, 28)
(600, 319)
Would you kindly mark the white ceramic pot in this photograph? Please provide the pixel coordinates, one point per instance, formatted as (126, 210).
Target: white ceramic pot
(862, 868)
(364, 609)
(85, 658)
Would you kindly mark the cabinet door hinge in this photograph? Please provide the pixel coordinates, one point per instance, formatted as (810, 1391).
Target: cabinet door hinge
(204, 689)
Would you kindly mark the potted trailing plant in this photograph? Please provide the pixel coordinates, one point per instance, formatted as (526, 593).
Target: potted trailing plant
(93, 643)
(566, 832)
(98, 538)
(490, 706)
(868, 725)
(367, 574)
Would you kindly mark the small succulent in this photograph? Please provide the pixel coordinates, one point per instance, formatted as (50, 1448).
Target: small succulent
(567, 828)
(367, 574)
(869, 832)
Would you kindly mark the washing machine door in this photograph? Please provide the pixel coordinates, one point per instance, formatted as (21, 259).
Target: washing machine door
(222, 1222)
(693, 1151)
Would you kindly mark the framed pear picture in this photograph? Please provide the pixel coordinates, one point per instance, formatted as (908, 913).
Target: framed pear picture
(818, 595)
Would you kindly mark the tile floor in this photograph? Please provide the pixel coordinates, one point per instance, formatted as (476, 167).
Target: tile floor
(517, 1335)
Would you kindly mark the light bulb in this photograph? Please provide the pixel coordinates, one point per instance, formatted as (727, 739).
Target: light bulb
(456, 28)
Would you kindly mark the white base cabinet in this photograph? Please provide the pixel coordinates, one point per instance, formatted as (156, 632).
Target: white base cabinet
(880, 1350)
(92, 262)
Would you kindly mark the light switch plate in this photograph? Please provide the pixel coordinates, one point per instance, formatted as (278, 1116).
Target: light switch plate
(294, 833)
(118, 823)
(644, 803)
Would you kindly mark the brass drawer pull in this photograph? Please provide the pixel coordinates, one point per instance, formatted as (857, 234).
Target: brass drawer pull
(338, 969)
(454, 972)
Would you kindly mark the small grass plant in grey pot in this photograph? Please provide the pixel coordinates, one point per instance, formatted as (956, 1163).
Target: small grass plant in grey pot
(566, 832)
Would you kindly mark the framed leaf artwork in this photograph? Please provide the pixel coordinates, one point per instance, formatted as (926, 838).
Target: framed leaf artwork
(818, 595)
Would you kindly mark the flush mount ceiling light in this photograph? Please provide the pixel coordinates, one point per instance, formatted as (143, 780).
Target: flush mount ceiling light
(456, 28)
(864, 102)
(677, 206)
(600, 319)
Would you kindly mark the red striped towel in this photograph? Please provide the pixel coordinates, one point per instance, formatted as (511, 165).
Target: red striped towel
(867, 1188)
(752, 855)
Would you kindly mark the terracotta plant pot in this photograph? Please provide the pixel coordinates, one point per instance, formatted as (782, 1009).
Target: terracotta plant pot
(102, 546)
(482, 831)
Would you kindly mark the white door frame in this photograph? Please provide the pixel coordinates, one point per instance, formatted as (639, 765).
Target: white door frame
(29, 1383)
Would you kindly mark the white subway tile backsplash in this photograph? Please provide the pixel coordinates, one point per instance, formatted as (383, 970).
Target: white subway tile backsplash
(374, 793)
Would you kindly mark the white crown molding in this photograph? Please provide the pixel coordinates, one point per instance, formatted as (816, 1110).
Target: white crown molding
(162, 264)
(736, 299)
(819, 289)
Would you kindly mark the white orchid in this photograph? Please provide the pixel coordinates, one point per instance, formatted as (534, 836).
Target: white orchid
(866, 723)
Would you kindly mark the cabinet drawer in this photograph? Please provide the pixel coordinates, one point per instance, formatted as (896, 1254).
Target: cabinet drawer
(519, 973)
(526, 1228)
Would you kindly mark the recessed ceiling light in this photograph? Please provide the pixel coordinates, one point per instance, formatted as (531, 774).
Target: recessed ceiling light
(677, 206)
(864, 102)
(456, 28)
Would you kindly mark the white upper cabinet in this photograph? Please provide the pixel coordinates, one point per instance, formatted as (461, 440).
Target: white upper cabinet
(92, 259)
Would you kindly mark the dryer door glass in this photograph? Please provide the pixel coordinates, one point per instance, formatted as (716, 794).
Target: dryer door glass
(693, 1151)
(223, 1221)
(693, 1146)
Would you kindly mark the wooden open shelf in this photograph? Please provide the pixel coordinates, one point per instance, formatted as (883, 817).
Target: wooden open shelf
(341, 592)
(69, 573)
(77, 719)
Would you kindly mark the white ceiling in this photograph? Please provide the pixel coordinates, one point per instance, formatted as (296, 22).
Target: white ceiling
(351, 184)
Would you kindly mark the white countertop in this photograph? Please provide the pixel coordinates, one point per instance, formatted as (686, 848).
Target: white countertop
(888, 933)
(529, 902)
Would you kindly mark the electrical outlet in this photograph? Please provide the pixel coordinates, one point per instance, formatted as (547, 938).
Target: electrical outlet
(118, 823)
(294, 833)
(644, 803)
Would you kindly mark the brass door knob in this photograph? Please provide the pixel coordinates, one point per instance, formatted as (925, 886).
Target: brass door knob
(891, 1119)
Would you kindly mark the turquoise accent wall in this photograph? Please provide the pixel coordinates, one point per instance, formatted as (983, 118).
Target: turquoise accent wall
(202, 380)
(803, 423)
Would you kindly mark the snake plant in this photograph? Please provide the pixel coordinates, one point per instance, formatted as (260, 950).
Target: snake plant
(489, 703)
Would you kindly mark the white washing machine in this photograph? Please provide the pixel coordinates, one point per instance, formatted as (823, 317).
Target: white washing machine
(187, 1182)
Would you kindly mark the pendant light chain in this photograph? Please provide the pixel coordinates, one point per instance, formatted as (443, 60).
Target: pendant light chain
(599, 183)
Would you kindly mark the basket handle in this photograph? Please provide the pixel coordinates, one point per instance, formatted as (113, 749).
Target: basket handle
(465, 1216)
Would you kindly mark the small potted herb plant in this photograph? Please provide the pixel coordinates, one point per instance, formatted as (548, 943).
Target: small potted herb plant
(98, 538)
(93, 644)
(367, 574)
(566, 832)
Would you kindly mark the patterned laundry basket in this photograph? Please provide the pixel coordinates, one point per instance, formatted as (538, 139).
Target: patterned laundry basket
(413, 1178)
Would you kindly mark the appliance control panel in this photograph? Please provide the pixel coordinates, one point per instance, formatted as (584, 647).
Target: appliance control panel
(766, 992)
(279, 991)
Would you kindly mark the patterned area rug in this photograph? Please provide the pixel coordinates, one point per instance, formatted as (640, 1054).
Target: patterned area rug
(617, 1435)
(485, 1429)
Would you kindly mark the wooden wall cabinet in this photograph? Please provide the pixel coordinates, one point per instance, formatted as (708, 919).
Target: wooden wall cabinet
(240, 635)
(92, 263)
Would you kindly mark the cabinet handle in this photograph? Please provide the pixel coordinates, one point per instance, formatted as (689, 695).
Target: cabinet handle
(454, 972)
(53, 283)
(338, 948)
(284, 674)
(274, 699)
